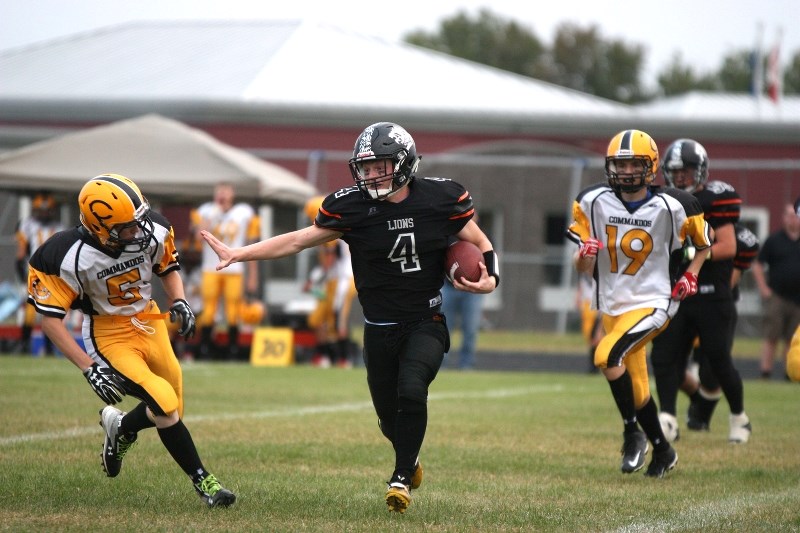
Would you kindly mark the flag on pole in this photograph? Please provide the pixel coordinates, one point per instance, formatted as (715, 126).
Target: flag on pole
(774, 72)
(757, 65)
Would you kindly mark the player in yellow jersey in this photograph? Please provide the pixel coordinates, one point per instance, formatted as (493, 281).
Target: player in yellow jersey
(627, 230)
(235, 224)
(104, 267)
(31, 233)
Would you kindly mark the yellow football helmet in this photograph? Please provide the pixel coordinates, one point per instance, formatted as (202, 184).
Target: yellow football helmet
(43, 200)
(110, 204)
(252, 312)
(312, 207)
(633, 145)
(43, 207)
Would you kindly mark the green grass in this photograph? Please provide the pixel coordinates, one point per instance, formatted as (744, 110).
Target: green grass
(301, 448)
(570, 343)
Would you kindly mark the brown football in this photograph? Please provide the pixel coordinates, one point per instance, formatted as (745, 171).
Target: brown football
(461, 260)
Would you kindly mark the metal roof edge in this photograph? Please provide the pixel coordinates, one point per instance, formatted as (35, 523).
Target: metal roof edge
(463, 121)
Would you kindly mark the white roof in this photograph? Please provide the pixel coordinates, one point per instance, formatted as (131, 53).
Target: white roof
(279, 63)
(725, 107)
(309, 73)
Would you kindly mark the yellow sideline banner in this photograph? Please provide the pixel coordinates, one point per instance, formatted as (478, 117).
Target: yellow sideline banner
(272, 347)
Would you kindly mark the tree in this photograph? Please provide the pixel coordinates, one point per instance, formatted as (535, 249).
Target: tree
(791, 75)
(736, 73)
(581, 59)
(678, 78)
(486, 39)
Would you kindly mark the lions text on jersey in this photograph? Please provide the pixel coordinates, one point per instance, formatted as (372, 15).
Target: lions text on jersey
(398, 248)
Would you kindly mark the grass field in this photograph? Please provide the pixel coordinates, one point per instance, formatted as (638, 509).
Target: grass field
(301, 448)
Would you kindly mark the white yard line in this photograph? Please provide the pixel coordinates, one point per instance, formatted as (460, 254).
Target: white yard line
(712, 515)
(288, 412)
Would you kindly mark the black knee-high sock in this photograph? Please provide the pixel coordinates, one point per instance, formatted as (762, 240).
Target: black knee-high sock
(648, 419)
(622, 390)
(411, 426)
(180, 446)
(206, 346)
(136, 420)
(705, 403)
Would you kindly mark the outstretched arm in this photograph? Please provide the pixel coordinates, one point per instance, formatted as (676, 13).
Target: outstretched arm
(278, 246)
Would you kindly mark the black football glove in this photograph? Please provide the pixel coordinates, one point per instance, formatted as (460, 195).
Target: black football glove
(180, 310)
(105, 383)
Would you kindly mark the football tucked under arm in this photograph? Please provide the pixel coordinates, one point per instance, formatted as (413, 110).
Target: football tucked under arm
(462, 261)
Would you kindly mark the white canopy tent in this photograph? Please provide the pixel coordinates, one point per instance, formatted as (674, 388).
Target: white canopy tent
(166, 158)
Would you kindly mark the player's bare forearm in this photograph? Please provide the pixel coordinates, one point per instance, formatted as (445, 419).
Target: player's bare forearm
(585, 265)
(698, 260)
(473, 233)
(173, 286)
(57, 332)
(276, 247)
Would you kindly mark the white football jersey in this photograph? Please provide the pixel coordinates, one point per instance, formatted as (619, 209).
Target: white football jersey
(235, 227)
(73, 271)
(32, 233)
(633, 266)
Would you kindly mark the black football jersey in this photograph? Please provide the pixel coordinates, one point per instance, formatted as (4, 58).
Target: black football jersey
(398, 249)
(747, 246)
(721, 205)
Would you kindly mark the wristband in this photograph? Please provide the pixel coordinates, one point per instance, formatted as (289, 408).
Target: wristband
(492, 266)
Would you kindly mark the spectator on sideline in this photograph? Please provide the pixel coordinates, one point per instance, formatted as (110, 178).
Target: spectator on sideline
(793, 354)
(235, 224)
(106, 265)
(463, 310)
(32, 232)
(627, 230)
(777, 274)
(331, 282)
(591, 321)
(398, 226)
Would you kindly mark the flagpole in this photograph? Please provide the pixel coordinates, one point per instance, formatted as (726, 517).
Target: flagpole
(774, 71)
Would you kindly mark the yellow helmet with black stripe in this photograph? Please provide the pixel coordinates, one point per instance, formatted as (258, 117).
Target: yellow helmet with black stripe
(114, 210)
(631, 146)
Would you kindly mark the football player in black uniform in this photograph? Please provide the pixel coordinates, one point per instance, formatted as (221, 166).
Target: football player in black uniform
(710, 313)
(700, 384)
(397, 226)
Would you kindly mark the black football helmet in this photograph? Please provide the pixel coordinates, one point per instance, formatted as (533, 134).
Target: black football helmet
(392, 144)
(686, 154)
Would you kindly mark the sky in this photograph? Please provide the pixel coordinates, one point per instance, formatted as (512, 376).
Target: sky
(701, 31)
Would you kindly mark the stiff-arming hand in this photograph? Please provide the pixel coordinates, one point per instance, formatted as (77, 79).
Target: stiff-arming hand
(590, 247)
(219, 247)
(180, 310)
(104, 383)
(685, 287)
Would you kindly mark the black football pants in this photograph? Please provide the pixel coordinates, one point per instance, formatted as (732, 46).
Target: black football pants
(401, 361)
(711, 320)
